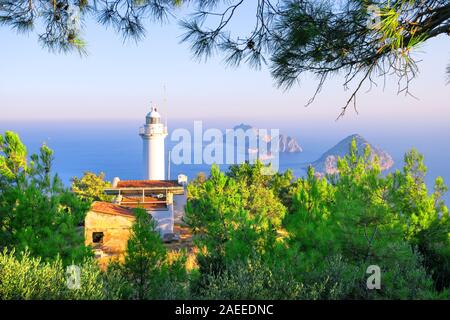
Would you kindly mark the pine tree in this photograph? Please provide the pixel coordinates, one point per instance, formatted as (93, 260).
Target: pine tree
(36, 211)
(145, 258)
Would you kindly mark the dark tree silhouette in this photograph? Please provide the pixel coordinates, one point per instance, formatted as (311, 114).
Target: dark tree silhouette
(360, 39)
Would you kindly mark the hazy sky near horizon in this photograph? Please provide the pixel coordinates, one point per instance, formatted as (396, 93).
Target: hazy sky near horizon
(117, 81)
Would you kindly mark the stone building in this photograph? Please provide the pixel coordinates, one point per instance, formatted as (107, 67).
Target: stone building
(107, 225)
(107, 228)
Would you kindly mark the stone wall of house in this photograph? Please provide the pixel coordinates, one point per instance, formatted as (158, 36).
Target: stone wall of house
(116, 231)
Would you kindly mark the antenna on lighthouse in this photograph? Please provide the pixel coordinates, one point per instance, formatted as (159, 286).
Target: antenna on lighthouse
(164, 95)
(165, 102)
(165, 109)
(168, 165)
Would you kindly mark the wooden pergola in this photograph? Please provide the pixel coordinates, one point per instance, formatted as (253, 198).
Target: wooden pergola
(146, 193)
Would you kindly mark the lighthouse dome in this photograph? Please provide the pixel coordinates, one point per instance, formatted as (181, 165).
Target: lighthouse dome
(153, 116)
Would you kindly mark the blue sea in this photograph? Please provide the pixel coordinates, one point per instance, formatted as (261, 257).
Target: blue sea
(115, 148)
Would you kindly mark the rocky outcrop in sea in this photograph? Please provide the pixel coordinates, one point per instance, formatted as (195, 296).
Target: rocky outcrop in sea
(327, 163)
(286, 144)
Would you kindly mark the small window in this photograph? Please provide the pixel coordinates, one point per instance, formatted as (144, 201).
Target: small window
(97, 237)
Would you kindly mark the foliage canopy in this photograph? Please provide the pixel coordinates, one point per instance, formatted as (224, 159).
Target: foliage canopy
(257, 236)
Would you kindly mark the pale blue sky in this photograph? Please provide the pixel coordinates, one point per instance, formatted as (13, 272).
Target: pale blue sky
(117, 81)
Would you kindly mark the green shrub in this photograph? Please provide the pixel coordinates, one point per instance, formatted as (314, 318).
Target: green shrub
(31, 278)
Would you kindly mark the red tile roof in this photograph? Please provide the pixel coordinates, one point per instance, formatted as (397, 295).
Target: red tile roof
(148, 184)
(111, 208)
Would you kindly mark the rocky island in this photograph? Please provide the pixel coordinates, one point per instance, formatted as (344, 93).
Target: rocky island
(327, 163)
(286, 144)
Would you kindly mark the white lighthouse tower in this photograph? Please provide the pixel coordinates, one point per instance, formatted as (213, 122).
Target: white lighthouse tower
(153, 134)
